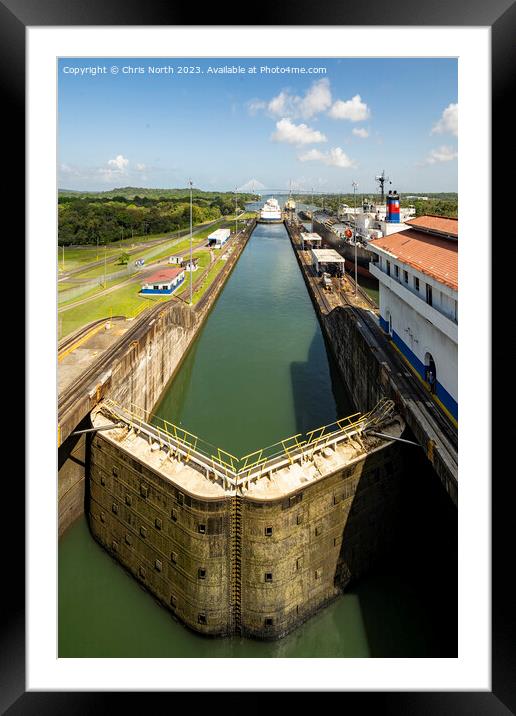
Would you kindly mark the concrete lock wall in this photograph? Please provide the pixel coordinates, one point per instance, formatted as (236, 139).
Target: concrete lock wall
(163, 536)
(139, 375)
(242, 565)
(363, 374)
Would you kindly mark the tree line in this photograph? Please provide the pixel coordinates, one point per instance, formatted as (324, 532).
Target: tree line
(110, 216)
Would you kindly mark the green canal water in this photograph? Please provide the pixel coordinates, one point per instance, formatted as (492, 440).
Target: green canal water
(259, 371)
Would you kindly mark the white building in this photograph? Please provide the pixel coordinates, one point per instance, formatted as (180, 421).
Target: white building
(328, 260)
(163, 282)
(417, 269)
(219, 237)
(310, 240)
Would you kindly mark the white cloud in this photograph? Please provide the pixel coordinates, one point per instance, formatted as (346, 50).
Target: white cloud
(449, 121)
(256, 105)
(317, 98)
(119, 163)
(333, 158)
(69, 170)
(116, 168)
(363, 133)
(287, 131)
(442, 154)
(281, 104)
(352, 109)
(140, 167)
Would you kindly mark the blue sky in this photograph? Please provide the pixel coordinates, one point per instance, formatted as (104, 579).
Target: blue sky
(129, 126)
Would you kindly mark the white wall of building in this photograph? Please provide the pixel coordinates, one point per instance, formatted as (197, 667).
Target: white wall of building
(421, 336)
(417, 328)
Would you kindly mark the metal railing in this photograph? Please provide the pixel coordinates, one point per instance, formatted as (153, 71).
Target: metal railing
(237, 472)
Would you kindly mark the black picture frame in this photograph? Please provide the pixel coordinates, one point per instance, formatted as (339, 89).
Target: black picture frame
(500, 16)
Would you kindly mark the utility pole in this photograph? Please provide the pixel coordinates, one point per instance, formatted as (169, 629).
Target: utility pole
(355, 237)
(236, 220)
(191, 249)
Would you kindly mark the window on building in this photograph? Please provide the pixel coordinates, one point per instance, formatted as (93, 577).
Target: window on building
(268, 531)
(268, 576)
(268, 621)
(455, 311)
(396, 271)
(405, 276)
(201, 573)
(201, 618)
(416, 283)
(428, 294)
(202, 529)
(156, 288)
(388, 269)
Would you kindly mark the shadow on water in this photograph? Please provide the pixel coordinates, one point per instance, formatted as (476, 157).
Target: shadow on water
(407, 596)
(319, 393)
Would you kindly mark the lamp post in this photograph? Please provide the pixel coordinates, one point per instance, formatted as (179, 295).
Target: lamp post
(355, 233)
(191, 229)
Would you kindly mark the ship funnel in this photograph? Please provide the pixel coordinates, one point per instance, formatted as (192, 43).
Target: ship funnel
(393, 207)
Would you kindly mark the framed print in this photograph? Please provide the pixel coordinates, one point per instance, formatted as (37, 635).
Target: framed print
(259, 247)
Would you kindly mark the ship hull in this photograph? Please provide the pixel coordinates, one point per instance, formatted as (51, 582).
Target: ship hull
(364, 256)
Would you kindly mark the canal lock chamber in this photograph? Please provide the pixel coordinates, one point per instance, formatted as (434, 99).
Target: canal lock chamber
(257, 561)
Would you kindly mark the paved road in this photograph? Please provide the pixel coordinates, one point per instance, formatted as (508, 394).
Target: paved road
(134, 279)
(139, 247)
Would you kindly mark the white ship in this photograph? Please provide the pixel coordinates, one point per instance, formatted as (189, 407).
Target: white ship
(270, 212)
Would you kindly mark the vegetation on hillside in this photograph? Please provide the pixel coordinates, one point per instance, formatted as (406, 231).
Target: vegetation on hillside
(103, 217)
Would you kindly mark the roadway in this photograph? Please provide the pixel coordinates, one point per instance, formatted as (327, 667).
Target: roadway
(183, 233)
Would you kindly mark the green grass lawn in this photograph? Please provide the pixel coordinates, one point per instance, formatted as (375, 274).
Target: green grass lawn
(74, 257)
(126, 301)
(86, 294)
(212, 274)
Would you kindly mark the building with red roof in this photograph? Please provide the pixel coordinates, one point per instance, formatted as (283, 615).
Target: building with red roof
(417, 270)
(164, 281)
